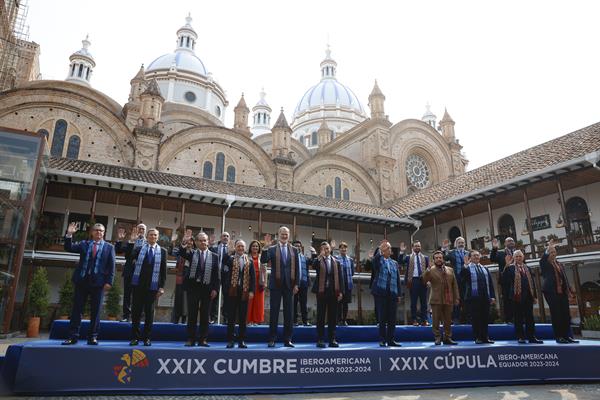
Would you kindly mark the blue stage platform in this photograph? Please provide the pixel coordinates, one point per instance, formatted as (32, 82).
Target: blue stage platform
(167, 367)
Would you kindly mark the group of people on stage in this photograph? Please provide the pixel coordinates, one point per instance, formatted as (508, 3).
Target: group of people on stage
(462, 291)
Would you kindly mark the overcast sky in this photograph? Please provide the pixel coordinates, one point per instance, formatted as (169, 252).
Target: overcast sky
(512, 74)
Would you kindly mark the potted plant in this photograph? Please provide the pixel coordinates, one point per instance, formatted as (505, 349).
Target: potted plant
(39, 298)
(591, 327)
(113, 302)
(65, 299)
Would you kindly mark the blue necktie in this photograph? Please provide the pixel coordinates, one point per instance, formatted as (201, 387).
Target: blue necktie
(284, 253)
(150, 255)
(418, 263)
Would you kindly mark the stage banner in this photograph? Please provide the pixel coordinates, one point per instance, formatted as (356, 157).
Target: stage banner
(172, 368)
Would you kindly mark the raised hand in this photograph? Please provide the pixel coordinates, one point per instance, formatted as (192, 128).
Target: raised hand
(467, 259)
(402, 247)
(494, 243)
(445, 244)
(72, 228)
(508, 260)
(121, 233)
(133, 235)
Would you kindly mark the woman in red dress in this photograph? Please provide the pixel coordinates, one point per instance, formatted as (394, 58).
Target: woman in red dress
(256, 305)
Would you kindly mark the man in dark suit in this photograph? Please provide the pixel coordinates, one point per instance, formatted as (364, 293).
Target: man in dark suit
(222, 250)
(329, 288)
(347, 264)
(283, 285)
(238, 286)
(416, 263)
(201, 285)
(136, 240)
(301, 298)
(504, 258)
(148, 281)
(557, 293)
(479, 295)
(93, 276)
(457, 258)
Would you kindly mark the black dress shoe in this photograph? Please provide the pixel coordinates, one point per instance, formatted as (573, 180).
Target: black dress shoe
(189, 343)
(562, 340)
(203, 343)
(450, 342)
(489, 341)
(69, 342)
(321, 344)
(333, 343)
(288, 344)
(571, 340)
(393, 343)
(147, 342)
(479, 341)
(230, 345)
(307, 324)
(382, 344)
(92, 342)
(242, 345)
(124, 319)
(535, 340)
(134, 342)
(271, 343)
(521, 341)
(438, 342)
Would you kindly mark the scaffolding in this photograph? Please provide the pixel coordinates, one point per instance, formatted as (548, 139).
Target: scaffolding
(13, 32)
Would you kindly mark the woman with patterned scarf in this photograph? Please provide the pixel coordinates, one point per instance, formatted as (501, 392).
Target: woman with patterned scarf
(557, 293)
(517, 277)
(239, 286)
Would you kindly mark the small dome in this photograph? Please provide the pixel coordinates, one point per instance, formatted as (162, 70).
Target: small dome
(329, 92)
(183, 60)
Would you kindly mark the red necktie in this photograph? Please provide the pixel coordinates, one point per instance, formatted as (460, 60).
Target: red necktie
(94, 250)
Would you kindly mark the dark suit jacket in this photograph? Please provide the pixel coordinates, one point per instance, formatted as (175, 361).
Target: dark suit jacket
(286, 267)
(466, 277)
(452, 256)
(162, 276)
(214, 273)
(127, 248)
(406, 262)
(106, 271)
(508, 281)
(549, 284)
(351, 271)
(305, 271)
(330, 277)
(227, 278)
(499, 257)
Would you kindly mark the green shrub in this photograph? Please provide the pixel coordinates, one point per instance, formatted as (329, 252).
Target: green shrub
(592, 323)
(39, 293)
(65, 299)
(113, 300)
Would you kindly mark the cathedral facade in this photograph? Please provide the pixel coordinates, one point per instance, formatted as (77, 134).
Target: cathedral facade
(174, 122)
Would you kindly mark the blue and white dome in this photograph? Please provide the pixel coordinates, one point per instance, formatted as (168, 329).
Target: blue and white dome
(182, 60)
(329, 101)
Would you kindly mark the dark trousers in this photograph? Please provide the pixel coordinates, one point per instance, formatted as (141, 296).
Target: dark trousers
(127, 292)
(418, 293)
(479, 310)
(343, 310)
(301, 298)
(386, 307)
(458, 311)
(214, 306)
(237, 309)
(523, 314)
(83, 290)
(198, 297)
(560, 314)
(507, 305)
(179, 305)
(142, 300)
(276, 296)
(326, 304)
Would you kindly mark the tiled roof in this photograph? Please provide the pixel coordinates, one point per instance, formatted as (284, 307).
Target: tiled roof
(219, 187)
(568, 147)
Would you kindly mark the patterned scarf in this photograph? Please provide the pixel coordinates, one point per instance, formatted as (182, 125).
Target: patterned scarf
(135, 280)
(89, 254)
(235, 277)
(388, 270)
(559, 276)
(460, 260)
(446, 286)
(347, 263)
(207, 266)
(520, 269)
(323, 275)
(412, 264)
(475, 279)
(278, 265)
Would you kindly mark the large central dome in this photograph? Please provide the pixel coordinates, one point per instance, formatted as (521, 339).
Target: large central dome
(182, 60)
(329, 101)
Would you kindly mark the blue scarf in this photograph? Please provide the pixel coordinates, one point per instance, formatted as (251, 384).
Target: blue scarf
(460, 260)
(387, 269)
(303, 270)
(475, 280)
(88, 254)
(347, 264)
(135, 280)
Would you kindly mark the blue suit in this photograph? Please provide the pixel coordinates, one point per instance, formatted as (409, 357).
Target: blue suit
(89, 281)
(386, 289)
(301, 297)
(281, 290)
(347, 265)
(418, 290)
(457, 263)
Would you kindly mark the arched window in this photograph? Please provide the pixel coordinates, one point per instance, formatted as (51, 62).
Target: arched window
(80, 72)
(346, 194)
(207, 170)
(338, 188)
(220, 167)
(453, 233)
(231, 174)
(578, 218)
(313, 139)
(73, 70)
(58, 139)
(45, 133)
(73, 148)
(329, 191)
(506, 227)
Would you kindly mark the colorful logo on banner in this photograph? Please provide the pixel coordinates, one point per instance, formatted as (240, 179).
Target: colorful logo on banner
(135, 359)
